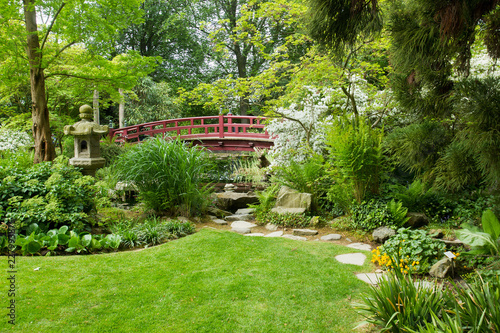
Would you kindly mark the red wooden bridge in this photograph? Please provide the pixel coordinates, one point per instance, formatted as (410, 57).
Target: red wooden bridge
(218, 133)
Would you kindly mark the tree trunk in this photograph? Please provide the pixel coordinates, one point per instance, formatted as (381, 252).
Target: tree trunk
(44, 147)
(95, 104)
(121, 110)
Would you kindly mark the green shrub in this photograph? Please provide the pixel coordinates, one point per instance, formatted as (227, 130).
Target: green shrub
(369, 215)
(356, 158)
(167, 174)
(415, 251)
(49, 194)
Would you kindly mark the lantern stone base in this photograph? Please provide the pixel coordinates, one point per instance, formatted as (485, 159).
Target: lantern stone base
(88, 165)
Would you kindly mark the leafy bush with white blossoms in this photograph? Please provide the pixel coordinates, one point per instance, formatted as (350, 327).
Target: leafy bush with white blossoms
(299, 131)
(13, 140)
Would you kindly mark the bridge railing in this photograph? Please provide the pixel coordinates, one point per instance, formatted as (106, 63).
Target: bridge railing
(221, 126)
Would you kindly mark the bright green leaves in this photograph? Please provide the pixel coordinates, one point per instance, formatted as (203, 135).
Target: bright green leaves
(482, 242)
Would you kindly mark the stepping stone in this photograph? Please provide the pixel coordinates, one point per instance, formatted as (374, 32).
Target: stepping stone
(294, 237)
(213, 217)
(241, 230)
(245, 211)
(360, 246)
(304, 232)
(182, 219)
(331, 237)
(271, 227)
(241, 217)
(275, 234)
(219, 221)
(352, 258)
(255, 234)
(370, 278)
(242, 227)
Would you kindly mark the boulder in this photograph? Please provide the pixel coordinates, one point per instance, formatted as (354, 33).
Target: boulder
(232, 200)
(417, 220)
(283, 210)
(289, 198)
(381, 234)
(304, 232)
(219, 213)
(441, 268)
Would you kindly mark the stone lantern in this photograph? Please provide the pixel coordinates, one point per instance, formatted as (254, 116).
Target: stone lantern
(87, 136)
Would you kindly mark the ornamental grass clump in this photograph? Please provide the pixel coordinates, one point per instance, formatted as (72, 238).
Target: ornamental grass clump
(167, 174)
(399, 302)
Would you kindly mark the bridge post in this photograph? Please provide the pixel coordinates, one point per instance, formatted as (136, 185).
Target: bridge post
(221, 125)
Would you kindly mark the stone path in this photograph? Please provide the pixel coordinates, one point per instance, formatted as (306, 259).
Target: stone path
(239, 222)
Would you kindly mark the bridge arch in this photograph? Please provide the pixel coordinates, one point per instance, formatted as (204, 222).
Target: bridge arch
(217, 133)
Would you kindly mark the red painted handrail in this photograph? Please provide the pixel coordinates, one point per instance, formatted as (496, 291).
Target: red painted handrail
(221, 126)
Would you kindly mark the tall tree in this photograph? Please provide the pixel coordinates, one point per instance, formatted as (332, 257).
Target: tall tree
(253, 41)
(169, 30)
(88, 23)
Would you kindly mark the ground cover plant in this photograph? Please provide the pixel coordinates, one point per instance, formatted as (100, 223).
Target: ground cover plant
(212, 281)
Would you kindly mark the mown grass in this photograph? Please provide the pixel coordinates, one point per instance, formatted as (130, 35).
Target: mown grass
(212, 281)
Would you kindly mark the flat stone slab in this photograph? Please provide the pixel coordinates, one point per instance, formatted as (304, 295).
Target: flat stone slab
(257, 234)
(275, 234)
(331, 237)
(219, 221)
(352, 258)
(271, 227)
(283, 210)
(182, 219)
(240, 217)
(241, 230)
(370, 278)
(360, 246)
(294, 237)
(213, 217)
(304, 232)
(242, 224)
(244, 211)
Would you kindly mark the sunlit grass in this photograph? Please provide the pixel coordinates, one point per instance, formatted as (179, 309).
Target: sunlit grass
(212, 281)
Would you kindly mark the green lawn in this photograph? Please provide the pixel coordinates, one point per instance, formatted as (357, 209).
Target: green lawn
(212, 281)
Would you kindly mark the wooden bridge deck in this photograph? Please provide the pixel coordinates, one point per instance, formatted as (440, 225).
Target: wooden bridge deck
(218, 133)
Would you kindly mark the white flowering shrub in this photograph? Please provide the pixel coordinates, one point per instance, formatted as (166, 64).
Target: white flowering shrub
(299, 132)
(13, 140)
